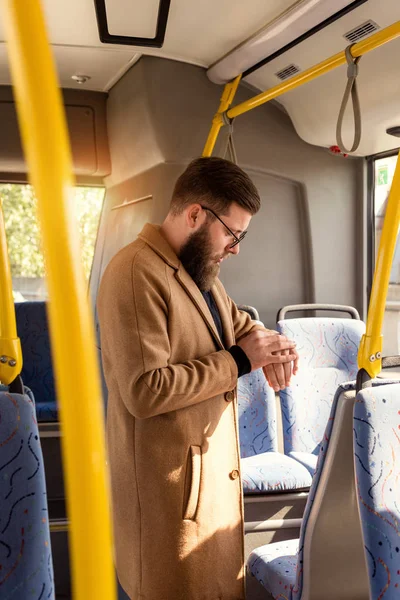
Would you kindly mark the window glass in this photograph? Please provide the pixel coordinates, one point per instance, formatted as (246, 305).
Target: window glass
(384, 172)
(23, 236)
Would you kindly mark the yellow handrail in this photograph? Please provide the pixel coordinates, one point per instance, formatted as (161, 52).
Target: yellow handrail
(10, 345)
(45, 140)
(370, 351)
(374, 41)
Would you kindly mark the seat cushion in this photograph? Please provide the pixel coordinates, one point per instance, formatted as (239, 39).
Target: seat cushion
(309, 461)
(273, 472)
(275, 567)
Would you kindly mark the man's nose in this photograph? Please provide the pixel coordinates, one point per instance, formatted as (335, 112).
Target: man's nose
(235, 249)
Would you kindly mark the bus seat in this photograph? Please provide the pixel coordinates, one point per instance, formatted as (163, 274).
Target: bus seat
(253, 312)
(25, 550)
(37, 371)
(377, 465)
(328, 350)
(264, 469)
(328, 559)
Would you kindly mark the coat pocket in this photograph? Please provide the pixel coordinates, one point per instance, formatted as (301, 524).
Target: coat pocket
(192, 483)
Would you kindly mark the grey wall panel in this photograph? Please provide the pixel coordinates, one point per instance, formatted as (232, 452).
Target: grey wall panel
(273, 269)
(86, 121)
(159, 116)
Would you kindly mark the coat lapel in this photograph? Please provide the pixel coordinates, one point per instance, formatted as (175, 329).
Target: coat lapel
(152, 236)
(193, 291)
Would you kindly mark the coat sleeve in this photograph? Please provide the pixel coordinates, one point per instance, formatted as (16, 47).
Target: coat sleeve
(136, 348)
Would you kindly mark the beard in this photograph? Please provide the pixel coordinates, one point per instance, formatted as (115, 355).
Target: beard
(197, 257)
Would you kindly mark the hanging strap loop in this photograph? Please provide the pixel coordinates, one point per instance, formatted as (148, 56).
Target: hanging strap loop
(351, 89)
(230, 150)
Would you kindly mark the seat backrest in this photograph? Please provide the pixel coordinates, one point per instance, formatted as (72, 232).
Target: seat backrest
(37, 371)
(25, 551)
(377, 465)
(328, 350)
(257, 415)
(331, 555)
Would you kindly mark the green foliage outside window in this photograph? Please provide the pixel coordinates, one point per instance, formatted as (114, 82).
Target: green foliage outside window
(22, 228)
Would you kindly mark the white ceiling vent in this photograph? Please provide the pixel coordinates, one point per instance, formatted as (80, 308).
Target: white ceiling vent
(362, 31)
(288, 72)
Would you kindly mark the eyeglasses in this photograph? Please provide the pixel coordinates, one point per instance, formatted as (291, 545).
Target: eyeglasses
(235, 237)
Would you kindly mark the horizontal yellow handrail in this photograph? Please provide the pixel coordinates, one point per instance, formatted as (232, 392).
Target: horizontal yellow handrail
(374, 41)
(45, 140)
(370, 352)
(10, 345)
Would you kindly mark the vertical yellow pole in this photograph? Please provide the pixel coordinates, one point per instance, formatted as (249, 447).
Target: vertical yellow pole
(45, 140)
(10, 346)
(218, 121)
(370, 352)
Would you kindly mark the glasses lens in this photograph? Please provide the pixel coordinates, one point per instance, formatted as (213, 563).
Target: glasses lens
(240, 238)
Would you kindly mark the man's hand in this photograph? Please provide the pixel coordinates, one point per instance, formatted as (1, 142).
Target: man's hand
(279, 375)
(265, 348)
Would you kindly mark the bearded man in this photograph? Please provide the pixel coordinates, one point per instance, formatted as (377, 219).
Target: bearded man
(173, 347)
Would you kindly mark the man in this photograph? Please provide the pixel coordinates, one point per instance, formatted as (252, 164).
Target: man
(173, 346)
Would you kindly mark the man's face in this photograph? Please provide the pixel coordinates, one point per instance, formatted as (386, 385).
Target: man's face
(209, 245)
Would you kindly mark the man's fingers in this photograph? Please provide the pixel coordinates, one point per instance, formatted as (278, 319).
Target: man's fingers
(269, 373)
(296, 364)
(279, 358)
(287, 367)
(280, 376)
(277, 346)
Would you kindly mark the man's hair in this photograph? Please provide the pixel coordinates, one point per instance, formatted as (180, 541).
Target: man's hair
(216, 183)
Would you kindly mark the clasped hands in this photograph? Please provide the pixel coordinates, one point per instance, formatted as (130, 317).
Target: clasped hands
(274, 353)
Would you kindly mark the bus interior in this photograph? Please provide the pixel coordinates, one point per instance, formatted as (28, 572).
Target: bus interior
(142, 83)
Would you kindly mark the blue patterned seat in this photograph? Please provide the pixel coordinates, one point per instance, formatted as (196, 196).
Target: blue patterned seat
(264, 469)
(37, 371)
(26, 569)
(377, 462)
(328, 357)
(328, 560)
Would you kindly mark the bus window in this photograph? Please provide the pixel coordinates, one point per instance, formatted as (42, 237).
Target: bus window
(384, 172)
(23, 236)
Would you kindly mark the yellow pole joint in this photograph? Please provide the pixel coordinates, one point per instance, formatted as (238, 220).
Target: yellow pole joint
(370, 354)
(10, 359)
(218, 122)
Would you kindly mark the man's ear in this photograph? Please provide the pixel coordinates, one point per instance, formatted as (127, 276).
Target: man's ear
(194, 216)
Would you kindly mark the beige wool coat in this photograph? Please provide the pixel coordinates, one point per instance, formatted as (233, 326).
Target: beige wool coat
(172, 427)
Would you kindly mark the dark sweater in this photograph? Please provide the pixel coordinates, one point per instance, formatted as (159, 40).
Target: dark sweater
(239, 355)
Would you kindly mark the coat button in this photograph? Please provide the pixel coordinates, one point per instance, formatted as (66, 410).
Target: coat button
(229, 396)
(234, 474)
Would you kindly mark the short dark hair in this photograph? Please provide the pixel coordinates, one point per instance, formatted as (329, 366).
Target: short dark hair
(217, 183)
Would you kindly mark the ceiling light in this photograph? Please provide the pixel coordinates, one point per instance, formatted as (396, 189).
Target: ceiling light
(81, 79)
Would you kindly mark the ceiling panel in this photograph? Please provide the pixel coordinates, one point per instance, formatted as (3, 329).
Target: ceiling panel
(103, 67)
(197, 32)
